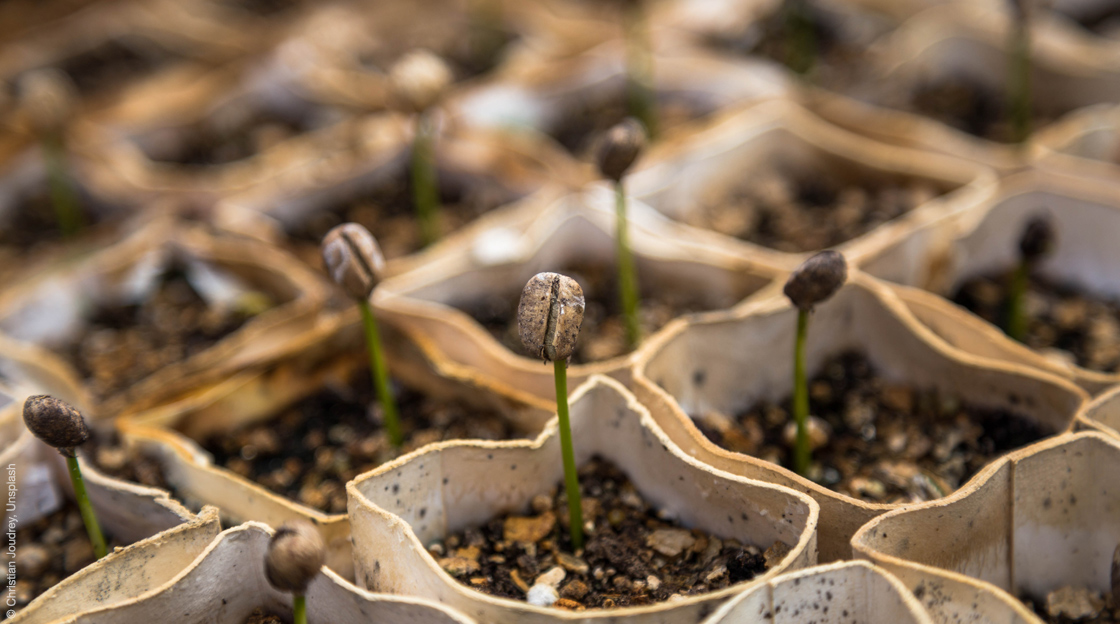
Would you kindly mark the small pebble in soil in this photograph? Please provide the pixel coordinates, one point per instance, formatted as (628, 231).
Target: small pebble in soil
(631, 557)
(795, 213)
(876, 440)
(603, 333)
(1062, 322)
(309, 450)
(1069, 605)
(264, 616)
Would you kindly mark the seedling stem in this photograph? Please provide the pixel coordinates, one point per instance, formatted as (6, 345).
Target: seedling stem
(801, 451)
(299, 609)
(1020, 78)
(380, 373)
(800, 40)
(63, 198)
(425, 191)
(93, 528)
(1016, 312)
(571, 478)
(627, 276)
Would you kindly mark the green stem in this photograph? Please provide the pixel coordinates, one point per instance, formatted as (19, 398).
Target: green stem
(801, 451)
(639, 71)
(571, 479)
(96, 537)
(627, 275)
(425, 192)
(1020, 81)
(800, 39)
(299, 609)
(380, 373)
(63, 197)
(1016, 302)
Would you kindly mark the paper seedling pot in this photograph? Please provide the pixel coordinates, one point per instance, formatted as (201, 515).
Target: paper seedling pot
(853, 591)
(48, 311)
(1039, 519)
(227, 581)
(677, 175)
(729, 362)
(125, 573)
(941, 256)
(970, 40)
(449, 486)
(1085, 143)
(1102, 414)
(498, 260)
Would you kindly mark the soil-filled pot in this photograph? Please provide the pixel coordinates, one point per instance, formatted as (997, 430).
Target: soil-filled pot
(170, 308)
(460, 307)
(478, 172)
(1040, 524)
(943, 78)
(776, 180)
(227, 583)
(1072, 290)
(853, 591)
(400, 510)
(124, 574)
(900, 415)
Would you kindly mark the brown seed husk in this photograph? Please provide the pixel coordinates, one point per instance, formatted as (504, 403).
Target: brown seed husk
(1038, 238)
(55, 422)
(295, 555)
(817, 279)
(353, 259)
(620, 147)
(549, 315)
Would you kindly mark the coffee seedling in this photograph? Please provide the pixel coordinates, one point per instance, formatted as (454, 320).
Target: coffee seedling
(58, 424)
(48, 96)
(549, 317)
(418, 81)
(799, 39)
(1035, 244)
(1019, 80)
(620, 147)
(355, 263)
(296, 552)
(817, 279)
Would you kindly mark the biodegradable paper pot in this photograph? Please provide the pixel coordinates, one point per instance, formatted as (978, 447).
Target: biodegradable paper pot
(125, 573)
(499, 260)
(729, 362)
(1102, 414)
(1085, 143)
(854, 591)
(227, 581)
(48, 310)
(449, 486)
(679, 174)
(970, 40)
(1037, 520)
(943, 255)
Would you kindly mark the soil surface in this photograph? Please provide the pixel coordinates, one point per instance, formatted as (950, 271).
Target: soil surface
(233, 136)
(263, 616)
(586, 118)
(778, 208)
(33, 221)
(1103, 20)
(387, 212)
(49, 550)
(875, 440)
(1061, 320)
(631, 557)
(603, 333)
(972, 108)
(1070, 605)
(112, 459)
(311, 449)
(123, 344)
(114, 63)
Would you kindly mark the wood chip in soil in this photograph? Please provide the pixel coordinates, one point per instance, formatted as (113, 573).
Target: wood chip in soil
(387, 212)
(124, 344)
(809, 210)
(311, 449)
(603, 334)
(876, 440)
(633, 556)
(1075, 605)
(48, 551)
(1062, 322)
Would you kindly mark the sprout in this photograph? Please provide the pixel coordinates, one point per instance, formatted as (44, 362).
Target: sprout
(49, 98)
(549, 317)
(1037, 242)
(418, 82)
(620, 147)
(1019, 82)
(817, 279)
(354, 261)
(639, 66)
(296, 553)
(58, 424)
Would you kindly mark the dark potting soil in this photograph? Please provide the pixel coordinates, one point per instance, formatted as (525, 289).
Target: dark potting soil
(970, 107)
(223, 141)
(124, 344)
(1101, 20)
(633, 556)
(586, 119)
(881, 442)
(809, 210)
(312, 448)
(1075, 605)
(264, 616)
(387, 212)
(603, 333)
(48, 551)
(114, 63)
(1060, 319)
(34, 221)
(113, 459)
